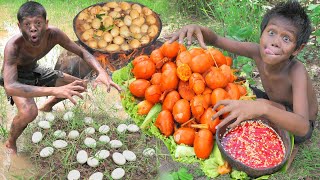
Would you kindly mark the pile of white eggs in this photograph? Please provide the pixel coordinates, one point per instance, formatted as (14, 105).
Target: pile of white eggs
(82, 156)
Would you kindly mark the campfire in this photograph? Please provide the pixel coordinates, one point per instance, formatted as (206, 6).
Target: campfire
(114, 61)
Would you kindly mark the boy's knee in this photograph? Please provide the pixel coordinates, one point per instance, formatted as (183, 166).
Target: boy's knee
(29, 113)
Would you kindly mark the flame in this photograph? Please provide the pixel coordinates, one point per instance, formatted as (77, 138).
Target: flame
(114, 61)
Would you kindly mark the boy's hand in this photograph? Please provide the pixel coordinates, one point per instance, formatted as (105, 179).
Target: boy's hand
(188, 31)
(238, 109)
(105, 79)
(72, 89)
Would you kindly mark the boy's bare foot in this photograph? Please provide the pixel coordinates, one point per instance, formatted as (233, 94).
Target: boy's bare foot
(10, 148)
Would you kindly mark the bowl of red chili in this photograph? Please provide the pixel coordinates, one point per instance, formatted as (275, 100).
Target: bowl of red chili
(256, 147)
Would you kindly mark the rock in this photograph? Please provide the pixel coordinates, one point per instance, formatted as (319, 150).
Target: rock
(91, 143)
(129, 155)
(74, 175)
(118, 158)
(102, 154)
(133, 128)
(44, 124)
(118, 173)
(104, 129)
(96, 176)
(37, 137)
(46, 152)
(60, 144)
(82, 156)
(74, 134)
(115, 143)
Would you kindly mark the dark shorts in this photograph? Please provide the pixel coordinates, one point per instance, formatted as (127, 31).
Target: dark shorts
(39, 76)
(297, 139)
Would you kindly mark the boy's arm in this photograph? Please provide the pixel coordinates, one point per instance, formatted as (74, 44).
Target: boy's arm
(205, 35)
(14, 88)
(297, 122)
(103, 77)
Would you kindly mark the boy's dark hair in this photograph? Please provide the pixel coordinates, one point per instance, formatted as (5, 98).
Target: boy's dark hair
(31, 8)
(294, 12)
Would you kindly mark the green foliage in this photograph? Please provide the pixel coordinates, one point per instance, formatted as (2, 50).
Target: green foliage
(123, 75)
(3, 98)
(246, 66)
(181, 174)
(190, 7)
(240, 19)
(3, 131)
(314, 14)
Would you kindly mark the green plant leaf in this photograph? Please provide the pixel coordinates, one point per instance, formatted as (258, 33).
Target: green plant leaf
(316, 32)
(99, 16)
(102, 28)
(247, 68)
(313, 6)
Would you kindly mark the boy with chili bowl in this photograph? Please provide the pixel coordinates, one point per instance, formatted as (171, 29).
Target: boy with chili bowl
(291, 101)
(23, 79)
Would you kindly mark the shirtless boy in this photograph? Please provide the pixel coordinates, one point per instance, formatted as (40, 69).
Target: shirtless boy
(24, 79)
(291, 100)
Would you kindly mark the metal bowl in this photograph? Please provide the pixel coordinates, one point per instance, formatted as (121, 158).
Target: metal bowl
(255, 172)
(76, 29)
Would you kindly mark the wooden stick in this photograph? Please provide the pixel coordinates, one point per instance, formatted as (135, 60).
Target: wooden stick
(192, 119)
(215, 62)
(240, 82)
(200, 126)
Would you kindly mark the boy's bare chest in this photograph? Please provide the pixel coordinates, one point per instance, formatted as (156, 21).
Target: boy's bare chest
(27, 57)
(278, 88)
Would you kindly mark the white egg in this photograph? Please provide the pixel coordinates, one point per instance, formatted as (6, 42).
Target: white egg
(47, 151)
(129, 155)
(122, 128)
(91, 143)
(118, 158)
(93, 162)
(104, 129)
(74, 175)
(117, 173)
(37, 137)
(96, 176)
(133, 128)
(102, 154)
(104, 139)
(115, 143)
(49, 117)
(60, 144)
(68, 116)
(82, 156)
(89, 130)
(149, 152)
(88, 120)
(44, 124)
(59, 134)
(74, 134)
